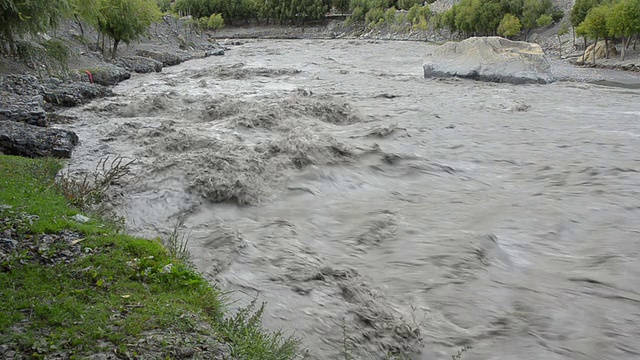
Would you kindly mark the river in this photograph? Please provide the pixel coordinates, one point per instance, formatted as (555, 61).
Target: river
(377, 212)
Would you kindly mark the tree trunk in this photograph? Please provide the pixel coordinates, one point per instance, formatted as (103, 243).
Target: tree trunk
(622, 52)
(102, 44)
(606, 47)
(115, 48)
(560, 47)
(635, 41)
(80, 25)
(573, 31)
(584, 53)
(593, 53)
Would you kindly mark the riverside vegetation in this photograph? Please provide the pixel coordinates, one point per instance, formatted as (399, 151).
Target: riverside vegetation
(74, 286)
(128, 20)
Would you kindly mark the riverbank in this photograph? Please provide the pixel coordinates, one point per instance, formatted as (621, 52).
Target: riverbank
(77, 287)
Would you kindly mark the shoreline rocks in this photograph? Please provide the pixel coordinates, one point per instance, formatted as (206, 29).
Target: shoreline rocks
(35, 141)
(492, 59)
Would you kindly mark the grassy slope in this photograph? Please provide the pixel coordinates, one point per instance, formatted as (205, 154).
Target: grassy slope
(105, 296)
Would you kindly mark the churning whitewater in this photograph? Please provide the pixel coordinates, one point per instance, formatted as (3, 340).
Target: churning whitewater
(377, 212)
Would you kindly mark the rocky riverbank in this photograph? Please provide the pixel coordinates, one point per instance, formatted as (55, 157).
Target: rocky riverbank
(31, 100)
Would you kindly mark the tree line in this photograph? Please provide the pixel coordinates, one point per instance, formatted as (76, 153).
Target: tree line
(606, 19)
(235, 11)
(499, 17)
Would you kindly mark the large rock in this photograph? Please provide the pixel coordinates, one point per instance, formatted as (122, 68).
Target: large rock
(108, 74)
(140, 64)
(165, 57)
(72, 93)
(22, 108)
(490, 59)
(34, 141)
(600, 52)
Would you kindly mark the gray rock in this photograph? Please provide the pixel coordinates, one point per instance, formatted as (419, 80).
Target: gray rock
(166, 58)
(80, 218)
(34, 141)
(108, 74)
(140, 64)
(214, 52)
(72, 93)
(22, 108)
(492, 59)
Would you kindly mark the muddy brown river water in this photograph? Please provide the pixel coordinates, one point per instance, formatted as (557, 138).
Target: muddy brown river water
(377, 212)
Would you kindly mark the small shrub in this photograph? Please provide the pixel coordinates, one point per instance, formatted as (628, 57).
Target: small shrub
(374, 17)
(408, 4)
(91, 188)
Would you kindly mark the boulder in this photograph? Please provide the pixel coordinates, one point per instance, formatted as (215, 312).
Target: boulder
(107, 75)
(490, 59)
(34, 141)
(140, 64)
(22, 108)
(600, 52)
(165, 57)
(214, 52)
(72, 93)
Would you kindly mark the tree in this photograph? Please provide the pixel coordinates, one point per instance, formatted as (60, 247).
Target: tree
(126, 20)
(215, 22)
(408, 4)
(580, 10)
(18, 18)
(595, 27)
(532, 10)
(374, 17)
(563, 30)
(390, 17)
(509, 26)
(624, 20)
(544, 20)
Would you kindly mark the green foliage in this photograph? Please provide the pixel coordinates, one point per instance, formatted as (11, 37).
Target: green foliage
(126, 20)
(374, 17)
(624, 18)
(113, 291)
(164, 5)
(509, 26)
(408, 4)
(532, 10)
(581, 9)
(594, 25)
(341, 5)
(418, 13)
(215, 22)
(544, 20)
(367, 5)
(390, 16)
(18, 18)
(357, 15)
(57, 50)
(483, 17)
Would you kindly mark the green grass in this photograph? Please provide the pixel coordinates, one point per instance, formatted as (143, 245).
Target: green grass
(114, 292)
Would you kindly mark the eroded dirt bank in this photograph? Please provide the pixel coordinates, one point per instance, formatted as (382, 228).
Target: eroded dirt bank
(405, 215)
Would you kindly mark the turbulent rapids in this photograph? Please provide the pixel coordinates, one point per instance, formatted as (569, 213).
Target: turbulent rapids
(379, 213)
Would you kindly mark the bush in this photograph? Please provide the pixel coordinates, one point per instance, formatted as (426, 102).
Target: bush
(418, 13)
(215, 22)
(408, 4)
(374, 17)
(509, 26)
